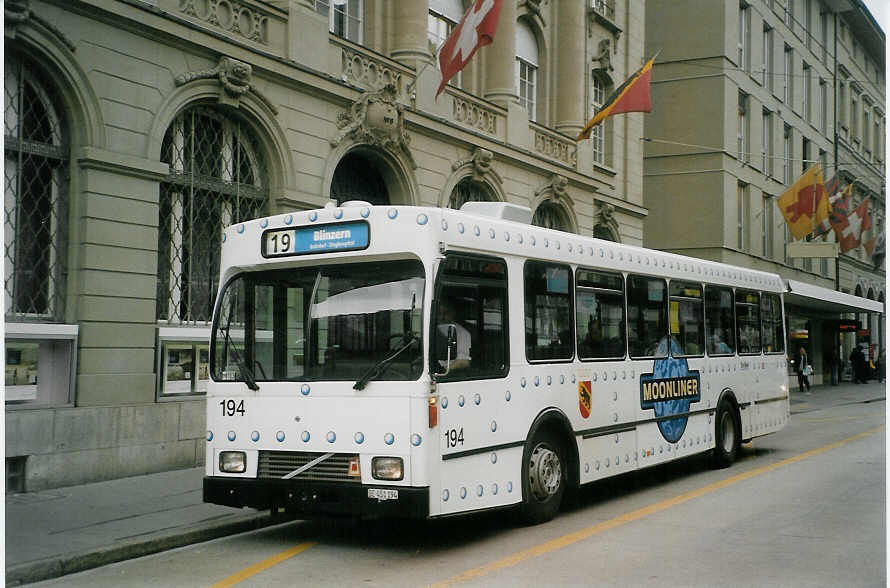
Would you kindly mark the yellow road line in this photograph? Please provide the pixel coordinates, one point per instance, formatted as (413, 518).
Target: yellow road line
(569, 539)
(263, 565)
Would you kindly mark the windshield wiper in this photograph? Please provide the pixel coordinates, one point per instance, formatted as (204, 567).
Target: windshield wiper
(380, 367)
(246, 374)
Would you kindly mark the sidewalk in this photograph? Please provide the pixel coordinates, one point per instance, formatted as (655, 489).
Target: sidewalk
(67, 530)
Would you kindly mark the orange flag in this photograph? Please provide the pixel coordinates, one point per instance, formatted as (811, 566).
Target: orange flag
(805, 204)
(631, 96)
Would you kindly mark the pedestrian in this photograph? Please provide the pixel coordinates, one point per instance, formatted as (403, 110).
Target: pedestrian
(857, 358)
(804, 370)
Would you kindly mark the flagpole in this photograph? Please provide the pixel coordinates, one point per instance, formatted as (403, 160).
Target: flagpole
(411, 87)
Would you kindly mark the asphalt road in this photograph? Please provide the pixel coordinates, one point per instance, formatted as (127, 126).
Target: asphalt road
(804, 507)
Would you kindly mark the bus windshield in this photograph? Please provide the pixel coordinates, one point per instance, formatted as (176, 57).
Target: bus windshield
(333, 322)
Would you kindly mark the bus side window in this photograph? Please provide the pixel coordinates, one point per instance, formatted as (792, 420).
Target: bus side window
(647, 325)
(687, 317)
(599, 314)
(549, 328)
(719, 321)
(747, 312)
(472, 303)
(771, 323)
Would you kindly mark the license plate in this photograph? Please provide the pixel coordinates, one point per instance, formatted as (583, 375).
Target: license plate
(383, 494)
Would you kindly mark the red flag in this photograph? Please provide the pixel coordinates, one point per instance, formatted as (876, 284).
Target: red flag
(805, 204)
(849, 230)
(870, 246)
(631, 96)
(476, 29)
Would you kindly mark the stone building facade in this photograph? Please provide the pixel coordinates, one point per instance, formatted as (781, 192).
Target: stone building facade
(761, 91)
(136, 129)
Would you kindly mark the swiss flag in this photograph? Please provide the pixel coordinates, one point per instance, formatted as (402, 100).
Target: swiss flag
(475, 30)
(849, 230)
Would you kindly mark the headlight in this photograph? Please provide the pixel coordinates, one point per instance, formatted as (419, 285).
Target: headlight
(387, 468)
(232, 462)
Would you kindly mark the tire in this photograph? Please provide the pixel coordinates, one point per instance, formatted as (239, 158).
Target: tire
(726, 436)
(543, 478)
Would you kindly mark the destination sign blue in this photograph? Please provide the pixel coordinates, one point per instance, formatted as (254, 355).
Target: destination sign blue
(316, 239)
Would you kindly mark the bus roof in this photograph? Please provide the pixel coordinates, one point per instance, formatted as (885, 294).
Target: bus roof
(424, 231)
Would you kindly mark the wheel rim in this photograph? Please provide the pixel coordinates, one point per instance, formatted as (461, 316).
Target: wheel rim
(728, 427)
(544, 472)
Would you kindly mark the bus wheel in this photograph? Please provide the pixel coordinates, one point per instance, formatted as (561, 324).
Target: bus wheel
(726, 436)
(543, 479)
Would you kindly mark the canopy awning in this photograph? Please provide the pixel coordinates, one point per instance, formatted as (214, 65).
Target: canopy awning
(823, 299)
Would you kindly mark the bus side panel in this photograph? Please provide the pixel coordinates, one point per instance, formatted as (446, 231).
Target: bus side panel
(480, 481)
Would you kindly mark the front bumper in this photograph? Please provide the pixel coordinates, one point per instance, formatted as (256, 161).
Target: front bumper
(316, 498)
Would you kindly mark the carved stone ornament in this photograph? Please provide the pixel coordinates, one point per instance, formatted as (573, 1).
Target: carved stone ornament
(532, 6)
(481, 162)
(376, 118)
(557, 186)
(17, 13)
(605, 218)
(603, 60)
(234, 78)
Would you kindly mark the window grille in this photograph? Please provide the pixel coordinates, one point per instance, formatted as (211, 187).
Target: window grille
(35, 195)
(469, 190)
(217, 178)
(550, 216)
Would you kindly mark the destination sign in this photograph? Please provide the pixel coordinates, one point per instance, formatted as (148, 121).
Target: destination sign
(315, 239)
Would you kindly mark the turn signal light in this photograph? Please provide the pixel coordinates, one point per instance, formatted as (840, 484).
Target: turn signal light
(355, 467)
(434, 412)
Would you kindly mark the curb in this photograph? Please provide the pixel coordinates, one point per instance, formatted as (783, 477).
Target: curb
(62, 565)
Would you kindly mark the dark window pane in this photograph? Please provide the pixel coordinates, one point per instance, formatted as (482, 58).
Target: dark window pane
(646, 317)
(747, 311)
(600, 315)
(720, 322)
(548, 311)
(687, 317)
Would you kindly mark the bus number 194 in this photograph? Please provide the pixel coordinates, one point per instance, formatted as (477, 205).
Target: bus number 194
(231, 408)
(453, 437)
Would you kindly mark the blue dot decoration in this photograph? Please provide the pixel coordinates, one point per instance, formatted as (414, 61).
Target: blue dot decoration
(537, 381)
(359, 437)
(460, 401)
(460, 228)
(305, 436)
(389, 438)
(477, 399)
(494, 426)
(494, 488)
(332, 436)
(280, 436)
(519, 238)
(509, 486)
(366, 212)
(445, 495)
(422, 219)
(463, 492)
(416, 440)
(494, 458)
(313, 216)
(444, 402)
(392, 213)
(210, 435)
(338, 214)
(288, 219)
(507, 395)
(224, 237)
(264, 223)
(479, 490)
(506, 236)
(476, 230)
(522, 382)
(240, 228)
(304, 389)
(491, 234)
(444, 225)
(255, 436)
(231, 435)
(549, 380)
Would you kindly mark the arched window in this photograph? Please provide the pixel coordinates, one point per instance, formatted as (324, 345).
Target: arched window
(469, 190)
(35, 193)
(551, 216)
(597, 134)
(527, 61)
(217, 178)
(358, 178)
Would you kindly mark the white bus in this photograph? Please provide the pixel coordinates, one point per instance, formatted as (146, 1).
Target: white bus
(424, 362)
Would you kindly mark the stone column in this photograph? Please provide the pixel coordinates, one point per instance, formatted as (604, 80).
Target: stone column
(499, 85)
(571, 23)
(410, 45)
